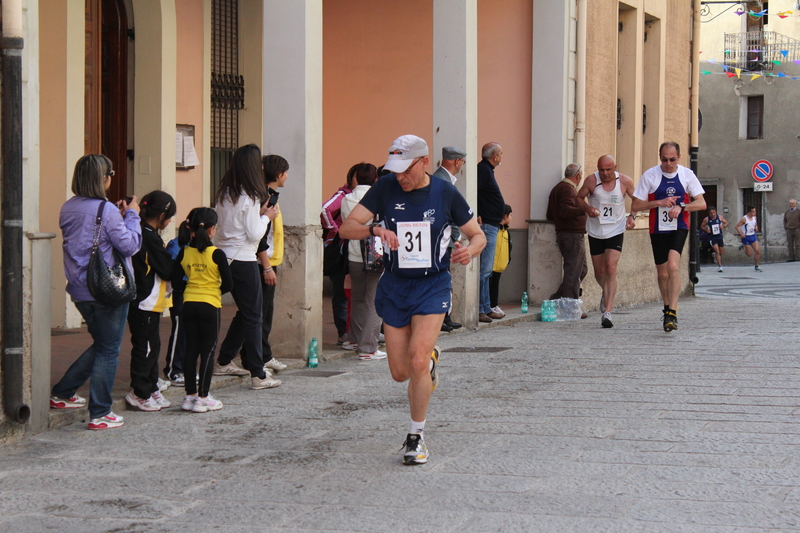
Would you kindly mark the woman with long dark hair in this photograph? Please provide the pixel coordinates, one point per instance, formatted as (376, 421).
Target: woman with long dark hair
(121, 231)
(244, 214)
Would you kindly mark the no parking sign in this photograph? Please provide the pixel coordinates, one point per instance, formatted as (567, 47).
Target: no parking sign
(762, 170)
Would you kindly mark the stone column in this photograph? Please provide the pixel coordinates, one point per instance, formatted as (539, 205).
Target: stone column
(552, 124)
(292, 84)
(455, 122)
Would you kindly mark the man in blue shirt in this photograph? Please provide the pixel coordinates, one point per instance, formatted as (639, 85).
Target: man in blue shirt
(413, 294)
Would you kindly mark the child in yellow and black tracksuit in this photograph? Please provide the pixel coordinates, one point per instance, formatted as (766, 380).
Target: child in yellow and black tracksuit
(502, 256)
(152, 269)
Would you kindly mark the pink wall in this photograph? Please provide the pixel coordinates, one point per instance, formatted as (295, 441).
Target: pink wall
(505, 41)
(189, 105)
(377, 81)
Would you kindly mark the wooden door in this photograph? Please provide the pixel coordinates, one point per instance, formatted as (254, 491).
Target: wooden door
(114, 94)
(106, 88)
(91, 95)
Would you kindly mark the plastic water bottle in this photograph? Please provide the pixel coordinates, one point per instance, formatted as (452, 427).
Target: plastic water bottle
(545, 310)
(524, 307)
(313, 353)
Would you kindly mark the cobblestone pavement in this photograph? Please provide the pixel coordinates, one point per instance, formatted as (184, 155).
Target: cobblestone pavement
(562, 427)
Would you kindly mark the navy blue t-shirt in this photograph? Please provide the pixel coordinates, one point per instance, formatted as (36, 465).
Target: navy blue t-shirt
(425, 217)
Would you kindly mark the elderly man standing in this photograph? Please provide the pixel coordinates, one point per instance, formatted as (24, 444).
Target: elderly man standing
(791, 223)
(452, 160)
(491, 206)
(564, 209)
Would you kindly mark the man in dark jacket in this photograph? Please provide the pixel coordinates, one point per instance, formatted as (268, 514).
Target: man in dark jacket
(491, 208)
(570, 220)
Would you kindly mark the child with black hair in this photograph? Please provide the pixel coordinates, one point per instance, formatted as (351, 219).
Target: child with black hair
(176, 346)
(202, 274)
(152, 270)
(502, 256)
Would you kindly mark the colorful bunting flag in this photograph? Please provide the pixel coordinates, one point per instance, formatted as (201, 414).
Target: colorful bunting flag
(731, 75)
(755, 76)
(784, 53)
(738, 72)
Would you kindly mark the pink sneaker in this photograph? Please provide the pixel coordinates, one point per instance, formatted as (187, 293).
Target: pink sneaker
(209, 403)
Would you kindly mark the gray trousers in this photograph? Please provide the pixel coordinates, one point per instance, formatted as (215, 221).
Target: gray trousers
(365, 324)
(573, 252)
(793, 241)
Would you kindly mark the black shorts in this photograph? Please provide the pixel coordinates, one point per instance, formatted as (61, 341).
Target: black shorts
(599, 246)
(719, 241)
(662, 243)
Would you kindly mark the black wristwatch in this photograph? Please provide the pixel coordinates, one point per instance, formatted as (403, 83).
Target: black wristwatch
(372, 229)
(682, 205)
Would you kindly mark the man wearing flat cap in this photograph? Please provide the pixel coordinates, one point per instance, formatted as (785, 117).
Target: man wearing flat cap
(452, 160)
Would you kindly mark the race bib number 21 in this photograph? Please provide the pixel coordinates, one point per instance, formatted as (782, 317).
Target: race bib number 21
(415, 244)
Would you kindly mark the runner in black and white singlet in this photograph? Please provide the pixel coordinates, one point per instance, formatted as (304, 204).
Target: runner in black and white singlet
(670, 191)
(603, 198)
(713, 224)
(747, 229)
(414, 292)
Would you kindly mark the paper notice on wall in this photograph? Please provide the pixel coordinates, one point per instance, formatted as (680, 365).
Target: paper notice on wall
(179, 147)
(190, 158)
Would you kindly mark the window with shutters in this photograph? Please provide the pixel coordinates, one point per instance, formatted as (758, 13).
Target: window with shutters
(755, 117)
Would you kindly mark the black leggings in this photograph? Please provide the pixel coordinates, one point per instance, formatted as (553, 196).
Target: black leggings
(201, 323)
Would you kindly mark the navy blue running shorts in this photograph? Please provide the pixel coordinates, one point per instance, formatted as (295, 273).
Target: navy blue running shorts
(398, 299)
(750, 239)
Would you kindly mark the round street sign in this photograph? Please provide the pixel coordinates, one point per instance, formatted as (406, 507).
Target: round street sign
(762, 170)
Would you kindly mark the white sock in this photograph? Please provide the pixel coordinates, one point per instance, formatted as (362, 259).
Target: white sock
(417, 427)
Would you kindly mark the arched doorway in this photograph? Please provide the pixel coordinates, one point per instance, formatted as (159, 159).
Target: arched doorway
(106, 88)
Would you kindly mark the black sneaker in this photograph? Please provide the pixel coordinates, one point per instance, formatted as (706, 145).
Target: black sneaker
(670, 321)
(434, 372)
(416, 453)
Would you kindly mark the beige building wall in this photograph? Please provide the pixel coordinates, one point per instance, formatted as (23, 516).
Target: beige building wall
(377, 81)
(190, 103)
(505, 52)
(660, 79)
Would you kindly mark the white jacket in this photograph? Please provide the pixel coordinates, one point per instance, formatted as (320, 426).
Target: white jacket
(240, 227)
(348, 204)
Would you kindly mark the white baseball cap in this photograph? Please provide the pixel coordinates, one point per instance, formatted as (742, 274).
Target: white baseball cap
(404, 150)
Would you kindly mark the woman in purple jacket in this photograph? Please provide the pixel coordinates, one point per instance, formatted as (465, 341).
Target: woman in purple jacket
(121, 231)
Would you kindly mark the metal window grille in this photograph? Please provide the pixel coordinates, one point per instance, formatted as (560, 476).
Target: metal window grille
(227, 87)
(752, 198)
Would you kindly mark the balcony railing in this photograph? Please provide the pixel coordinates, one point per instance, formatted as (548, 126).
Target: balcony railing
(759, 50)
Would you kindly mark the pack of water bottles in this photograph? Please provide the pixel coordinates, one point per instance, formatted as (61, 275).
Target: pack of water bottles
(561, 309)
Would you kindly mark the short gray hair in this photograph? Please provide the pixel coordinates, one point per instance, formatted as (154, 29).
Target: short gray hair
(571, 170)
(489, 149)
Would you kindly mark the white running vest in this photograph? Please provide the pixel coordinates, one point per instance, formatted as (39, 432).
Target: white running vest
(611, 205)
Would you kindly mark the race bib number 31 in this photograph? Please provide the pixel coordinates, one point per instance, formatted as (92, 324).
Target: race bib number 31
(664, 222)
(415, 244)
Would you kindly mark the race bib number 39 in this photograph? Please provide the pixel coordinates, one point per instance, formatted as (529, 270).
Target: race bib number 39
(664, 222)
(415, 244)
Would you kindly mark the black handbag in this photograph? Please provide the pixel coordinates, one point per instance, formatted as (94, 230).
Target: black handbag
(111, 286)
(334, 257)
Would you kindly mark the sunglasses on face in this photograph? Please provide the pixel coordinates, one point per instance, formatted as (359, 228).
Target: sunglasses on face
(668, 159)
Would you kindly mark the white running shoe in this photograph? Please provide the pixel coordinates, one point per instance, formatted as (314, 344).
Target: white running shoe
(209, 403)
(179, 380)
(374, 356)
(347, 345)
(188, 402)
(497, 310)
(606, 320)
(720, 269)
(109, 421)
(163, 384)
(145, 405)
(275, 365)
(160, 400)
(266, 383)
(231, 369)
